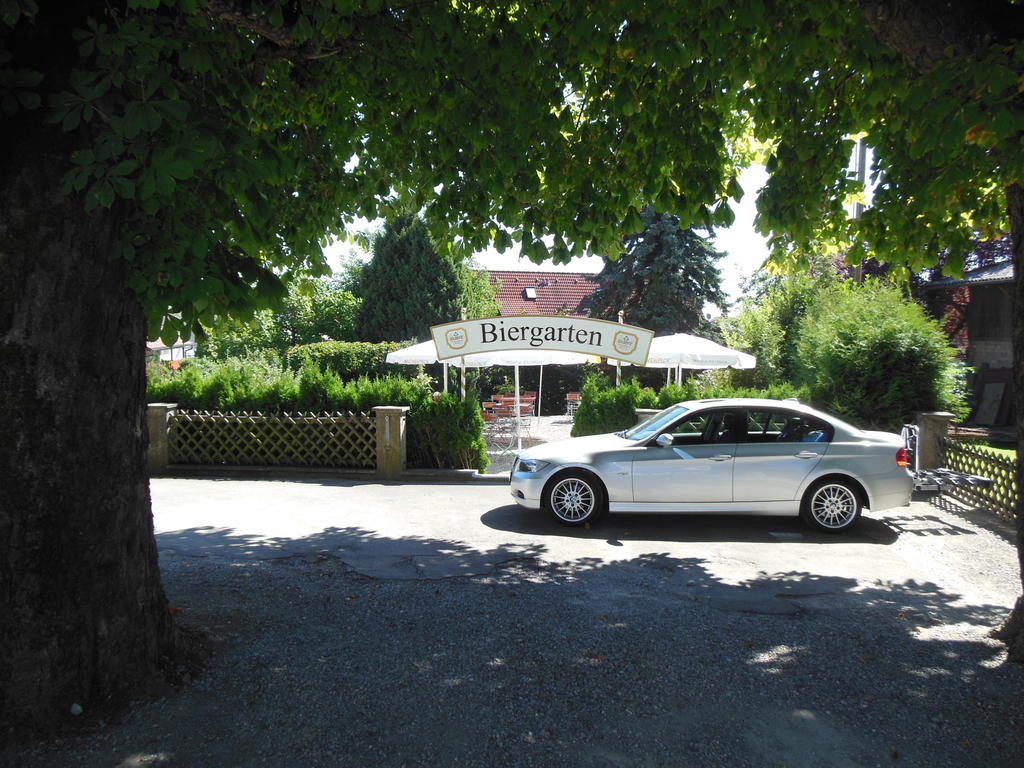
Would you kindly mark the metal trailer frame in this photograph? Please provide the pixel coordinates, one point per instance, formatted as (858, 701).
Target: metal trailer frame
(940, 480)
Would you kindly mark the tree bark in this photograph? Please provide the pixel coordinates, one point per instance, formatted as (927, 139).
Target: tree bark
(84, 615)
(1012, 631)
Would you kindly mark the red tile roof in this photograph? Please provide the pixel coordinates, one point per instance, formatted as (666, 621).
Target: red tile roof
(552, 292)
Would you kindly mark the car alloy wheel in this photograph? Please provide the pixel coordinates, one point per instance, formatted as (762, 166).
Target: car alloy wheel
(575, 499)
(833, 506)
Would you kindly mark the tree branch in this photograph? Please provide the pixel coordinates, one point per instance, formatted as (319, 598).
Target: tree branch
(280, 36)
(259, 25)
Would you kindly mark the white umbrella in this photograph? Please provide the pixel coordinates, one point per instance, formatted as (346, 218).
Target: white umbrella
(423, 353)
(683, 350)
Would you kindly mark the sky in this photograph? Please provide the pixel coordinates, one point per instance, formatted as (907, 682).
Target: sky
(744, 248)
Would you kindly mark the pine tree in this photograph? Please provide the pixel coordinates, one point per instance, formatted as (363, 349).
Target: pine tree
(408, 286)
(663, 279)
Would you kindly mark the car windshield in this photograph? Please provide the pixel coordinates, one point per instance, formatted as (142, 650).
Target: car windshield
(655, 423)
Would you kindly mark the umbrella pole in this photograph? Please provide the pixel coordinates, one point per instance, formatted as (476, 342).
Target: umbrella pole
(519, 437)
(540, 391)
(618, 363)
(462, 369)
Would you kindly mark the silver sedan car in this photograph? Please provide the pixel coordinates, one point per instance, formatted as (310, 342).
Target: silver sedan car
(742, 456)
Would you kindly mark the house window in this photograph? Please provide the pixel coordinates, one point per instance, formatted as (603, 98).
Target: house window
(530, 293)
(989, 315)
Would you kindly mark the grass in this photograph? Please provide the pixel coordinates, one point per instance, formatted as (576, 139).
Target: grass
(1009, 453)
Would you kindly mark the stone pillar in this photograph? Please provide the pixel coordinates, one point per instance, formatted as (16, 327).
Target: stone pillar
(157, 452)
(931, 426)
(390, 440)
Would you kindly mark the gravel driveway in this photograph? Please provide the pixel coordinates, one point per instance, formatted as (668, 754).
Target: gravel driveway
(438, 625)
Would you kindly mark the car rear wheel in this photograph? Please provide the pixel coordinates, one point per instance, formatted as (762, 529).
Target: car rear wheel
(575, 498)
(831, 505)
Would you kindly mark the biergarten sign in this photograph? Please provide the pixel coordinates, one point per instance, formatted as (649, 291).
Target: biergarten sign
(586, 336)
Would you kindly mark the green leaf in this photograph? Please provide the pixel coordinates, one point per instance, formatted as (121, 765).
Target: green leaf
(100, 194)
(123, 168)
(72, 118)
(124, 188)
(169, 333)
(502, 241)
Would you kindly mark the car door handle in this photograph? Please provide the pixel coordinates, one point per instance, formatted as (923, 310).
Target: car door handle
(721, 457)
(807, 455)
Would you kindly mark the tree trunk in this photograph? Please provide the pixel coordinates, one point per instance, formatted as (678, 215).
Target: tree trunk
(1012, 632)
(83, 611)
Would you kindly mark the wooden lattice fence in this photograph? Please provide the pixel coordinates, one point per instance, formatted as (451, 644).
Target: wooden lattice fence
(1001, 497)
(336, 440)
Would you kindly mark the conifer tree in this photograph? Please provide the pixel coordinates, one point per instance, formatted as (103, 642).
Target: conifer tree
(409, 286)
(663, 279)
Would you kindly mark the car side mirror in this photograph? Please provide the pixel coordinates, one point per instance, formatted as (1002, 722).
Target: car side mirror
(664, 440)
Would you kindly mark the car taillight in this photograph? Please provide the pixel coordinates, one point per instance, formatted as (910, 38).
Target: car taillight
(902, 460)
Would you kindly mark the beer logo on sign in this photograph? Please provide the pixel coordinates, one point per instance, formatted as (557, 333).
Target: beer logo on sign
(625, 343)
(456, 338)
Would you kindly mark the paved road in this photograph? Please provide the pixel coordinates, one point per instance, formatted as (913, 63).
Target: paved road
(430, 624)
(433, 530)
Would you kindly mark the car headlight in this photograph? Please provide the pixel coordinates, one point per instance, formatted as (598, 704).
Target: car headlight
(531, 465)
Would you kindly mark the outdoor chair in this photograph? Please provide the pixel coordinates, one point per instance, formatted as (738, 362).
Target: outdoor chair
(572, 402)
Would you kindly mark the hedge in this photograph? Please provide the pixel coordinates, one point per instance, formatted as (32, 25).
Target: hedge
(443, 431)
(348, 359)
(605, 408)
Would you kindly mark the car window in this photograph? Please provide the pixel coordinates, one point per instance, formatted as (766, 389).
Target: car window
(772, 426)
(705, 427)
(655, 423)
(764, 425)
(691, 426)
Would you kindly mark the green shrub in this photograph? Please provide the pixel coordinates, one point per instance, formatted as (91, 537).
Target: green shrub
(867, 353)
(348, 359)
(767, 324)
(446, 432)
(721, 383)
(671, 394)
(323, 391)
(604, 408)
(238, 384)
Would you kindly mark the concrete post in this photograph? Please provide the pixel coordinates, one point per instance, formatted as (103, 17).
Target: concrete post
(931, 426)
(390, 440)
(157, 454)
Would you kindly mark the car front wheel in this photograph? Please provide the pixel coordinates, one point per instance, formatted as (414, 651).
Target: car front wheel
(831, 505)
(575, 498)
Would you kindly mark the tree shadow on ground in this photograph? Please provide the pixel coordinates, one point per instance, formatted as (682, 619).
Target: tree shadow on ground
(974, 514)
(502, 657)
